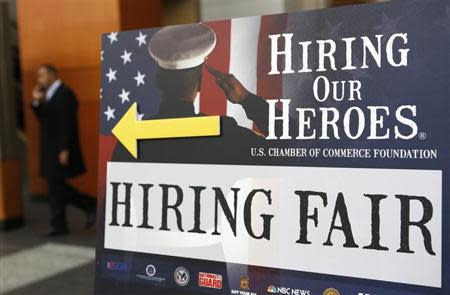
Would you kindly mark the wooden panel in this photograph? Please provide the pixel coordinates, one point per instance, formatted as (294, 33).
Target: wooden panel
(180, 12)
(67, 33)
(64, 32)
(10, 190)
(135, 14)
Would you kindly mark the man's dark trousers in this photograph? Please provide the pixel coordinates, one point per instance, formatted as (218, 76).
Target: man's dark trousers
(61, 194)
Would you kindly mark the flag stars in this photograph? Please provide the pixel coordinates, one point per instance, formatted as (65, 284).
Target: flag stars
(109, 113)
(111, 75)
(126, 57)
(140, 78)
(139, 117)
(124, 96)
(141, 39)
(112, 37)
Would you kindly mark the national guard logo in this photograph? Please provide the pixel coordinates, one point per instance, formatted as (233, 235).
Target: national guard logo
(210, 280)
(331, 291)
(244, 283)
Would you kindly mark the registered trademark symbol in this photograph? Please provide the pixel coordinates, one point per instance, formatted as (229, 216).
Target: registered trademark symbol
(422, 135)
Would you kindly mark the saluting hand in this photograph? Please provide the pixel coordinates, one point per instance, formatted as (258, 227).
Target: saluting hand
(234, 90)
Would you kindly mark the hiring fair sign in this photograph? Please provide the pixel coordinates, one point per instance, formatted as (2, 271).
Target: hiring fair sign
(301, 152)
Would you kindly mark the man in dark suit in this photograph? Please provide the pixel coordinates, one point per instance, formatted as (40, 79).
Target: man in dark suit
(55, 106)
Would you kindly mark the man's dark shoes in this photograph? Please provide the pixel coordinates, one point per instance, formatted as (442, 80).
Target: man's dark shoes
(90, 218)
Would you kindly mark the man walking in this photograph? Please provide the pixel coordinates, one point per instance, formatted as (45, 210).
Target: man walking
(55, 106)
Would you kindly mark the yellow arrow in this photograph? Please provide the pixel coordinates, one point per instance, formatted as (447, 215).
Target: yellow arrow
(129, 130)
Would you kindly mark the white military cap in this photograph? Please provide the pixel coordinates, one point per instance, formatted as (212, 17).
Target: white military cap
(182, 47)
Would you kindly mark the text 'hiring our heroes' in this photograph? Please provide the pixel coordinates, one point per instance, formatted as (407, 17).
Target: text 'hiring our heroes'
(373, 122)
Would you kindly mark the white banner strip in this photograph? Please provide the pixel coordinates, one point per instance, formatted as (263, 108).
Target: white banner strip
(340, 192)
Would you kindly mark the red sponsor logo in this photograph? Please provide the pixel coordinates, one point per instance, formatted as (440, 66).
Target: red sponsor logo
(209, 280)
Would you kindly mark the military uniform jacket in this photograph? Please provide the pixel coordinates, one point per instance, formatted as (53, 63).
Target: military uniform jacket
(231, 147)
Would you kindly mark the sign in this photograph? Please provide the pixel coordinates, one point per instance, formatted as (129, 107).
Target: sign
(302, 153)
(209, 280)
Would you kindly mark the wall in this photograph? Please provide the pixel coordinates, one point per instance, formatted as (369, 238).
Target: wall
(10, 177)
(180, 12)
(67, 33)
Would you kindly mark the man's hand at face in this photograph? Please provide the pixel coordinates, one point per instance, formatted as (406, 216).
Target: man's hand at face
(38, 94)
(234, 90)
(64, 157)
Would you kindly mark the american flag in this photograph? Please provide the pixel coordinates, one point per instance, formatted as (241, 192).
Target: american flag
(242, 49)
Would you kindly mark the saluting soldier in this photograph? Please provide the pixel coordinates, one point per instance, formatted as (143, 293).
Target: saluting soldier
(180, 52)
